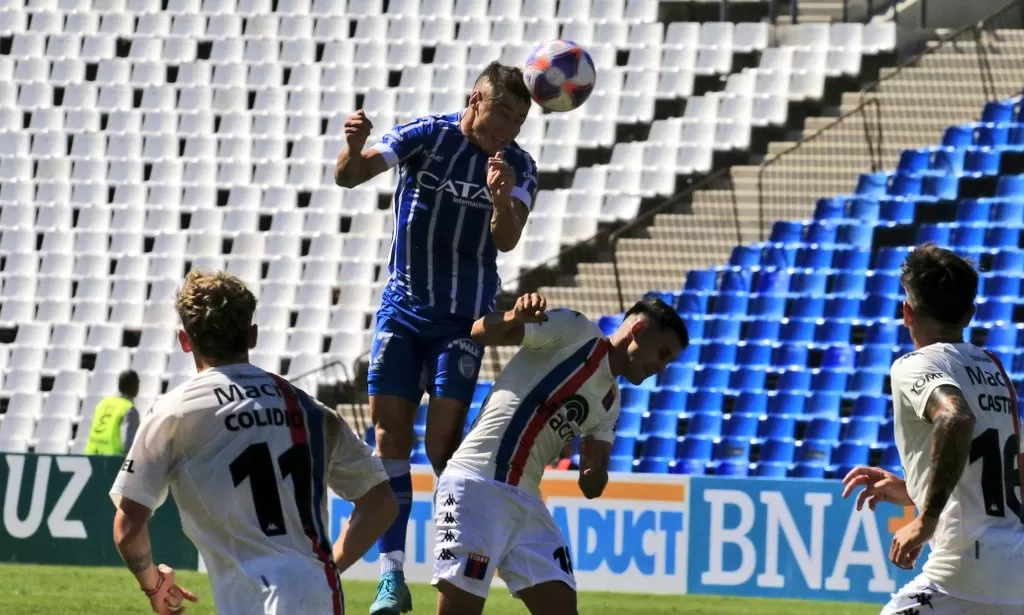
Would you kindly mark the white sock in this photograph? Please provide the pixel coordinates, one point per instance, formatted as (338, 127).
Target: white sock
(393, 561)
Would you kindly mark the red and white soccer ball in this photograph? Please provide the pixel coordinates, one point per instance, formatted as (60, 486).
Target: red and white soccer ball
(560, 75)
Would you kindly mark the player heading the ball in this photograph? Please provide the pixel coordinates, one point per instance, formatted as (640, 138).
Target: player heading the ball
(561, 385)
(957, 429)
(465, 189)
(249, 458)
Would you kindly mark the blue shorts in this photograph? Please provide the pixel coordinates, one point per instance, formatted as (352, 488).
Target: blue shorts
(409, 356)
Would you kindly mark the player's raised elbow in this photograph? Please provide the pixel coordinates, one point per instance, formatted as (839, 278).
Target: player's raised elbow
(592, 484)
(506, 242)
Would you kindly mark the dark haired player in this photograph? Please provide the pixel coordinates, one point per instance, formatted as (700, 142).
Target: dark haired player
(957, 431)
(559, 386)
(464, 192)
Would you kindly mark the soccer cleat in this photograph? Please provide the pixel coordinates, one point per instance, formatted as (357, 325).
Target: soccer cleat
(393, 595)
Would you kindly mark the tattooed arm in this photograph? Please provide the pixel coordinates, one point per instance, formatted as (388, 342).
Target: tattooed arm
(953, 423)
(131, 535)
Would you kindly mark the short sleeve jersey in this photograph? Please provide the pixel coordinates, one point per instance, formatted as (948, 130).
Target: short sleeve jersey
(557, 387)
(978, 545)
(443, 259)
(249, 460)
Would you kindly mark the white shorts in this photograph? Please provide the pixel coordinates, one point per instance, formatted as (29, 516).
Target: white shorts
(921, 596)
(483, 526)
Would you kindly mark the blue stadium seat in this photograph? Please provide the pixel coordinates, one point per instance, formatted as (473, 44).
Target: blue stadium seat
(705, 424)
(1008, 262)
(841, 307)
(695, 448)
(1000, 237)
(693, 303)
(877, 357)
(629, 422)
(1010, 187)
(822, 429)
(821, 233)
(768, 305)
(789, 355)
(730, 304)
(847, 283)
(779, 451)
(809, 283)
(732, 468)
(718, 353)
(1000, 286)
(701, 280)
(794, 380)
(991, 135)
(704, 401)
(663, 423)
(735, 281)
(754, 354)
(766, 469)
(1002, 336)
(635, 397)
(731, 448)
(824, 404)
(856, 235)
(961, 136)
(620, 464)
(941, 187)
(678, 375)
(864, 208)
(938, 233)
(777, 427)
(723, 328)
(973, 210)
(882, 333)
(838, 358)
(786, 404)
(774, 281)
(817, 257)
(994, 310)
(747, 379)
(745, 256)
(778, 255)
(861, 430)
(669, 398)
(833, 331)
(1008, 212)
(624, 446)
(891, 458)
(913, 161)
(982, 161)
(869, 406)
(997, 112)
(896, 210)
(762, 329)
(691, 353)
(751, 403)
(807, 470)
(813, 451)
(608, 324)
(798, 330)
(652, 465)
(786, 231)
(886, 435)
(696, 467)
(872, 184)
(849, 454)
(948, 159)
(740, 425)
(659, 447)
(890, 259)
(709, 377)
(827, 380)
(967, 236)
(851, 259)
(905, 184)
(833, 208)
(883, 283)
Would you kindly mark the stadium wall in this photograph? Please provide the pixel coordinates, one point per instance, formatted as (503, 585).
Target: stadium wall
(662, 534)
(790, 538)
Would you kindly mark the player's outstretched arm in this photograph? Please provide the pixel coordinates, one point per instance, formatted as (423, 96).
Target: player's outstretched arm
(372, 515)
(953, 429)
(131, 535)
(354, 165)
(509, 328)
(594, 455)
(879, 486)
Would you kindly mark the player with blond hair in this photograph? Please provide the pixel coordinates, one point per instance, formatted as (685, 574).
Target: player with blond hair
(957, 429)
(249, 459)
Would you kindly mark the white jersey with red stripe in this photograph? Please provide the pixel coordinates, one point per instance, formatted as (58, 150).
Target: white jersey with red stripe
(978, 548)
(557, 387)
(249, 459)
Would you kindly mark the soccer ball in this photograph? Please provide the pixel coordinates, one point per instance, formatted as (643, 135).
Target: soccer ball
(560, 75)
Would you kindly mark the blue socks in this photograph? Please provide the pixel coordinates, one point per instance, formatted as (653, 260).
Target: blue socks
(392, 544)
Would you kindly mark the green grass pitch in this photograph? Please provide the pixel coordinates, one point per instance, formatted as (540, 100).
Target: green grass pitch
(65, 590)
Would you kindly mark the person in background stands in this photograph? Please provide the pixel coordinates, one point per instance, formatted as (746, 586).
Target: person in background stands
(115, 420)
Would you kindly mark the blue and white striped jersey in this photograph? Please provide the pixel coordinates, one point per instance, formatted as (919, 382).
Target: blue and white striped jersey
(442, 255)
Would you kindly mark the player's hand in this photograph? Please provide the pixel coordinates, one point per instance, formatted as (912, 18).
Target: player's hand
(500, 177)
(357, 130)
(530, 308)
(168, 598)
(879, 486)
(909, 541)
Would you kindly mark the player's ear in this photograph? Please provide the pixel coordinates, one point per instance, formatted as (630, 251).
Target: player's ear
(183, 341)
(638, 327)
(254, 334)
(475, 99)
(908, 313)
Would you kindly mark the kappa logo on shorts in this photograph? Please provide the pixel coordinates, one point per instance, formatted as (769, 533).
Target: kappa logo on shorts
(449, 519)
(922, 599)
(448, 536)
(476, 566)
(445, 556)
(449, 501)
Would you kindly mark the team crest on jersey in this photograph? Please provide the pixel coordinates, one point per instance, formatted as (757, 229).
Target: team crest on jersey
(467, 366)
(567, 422)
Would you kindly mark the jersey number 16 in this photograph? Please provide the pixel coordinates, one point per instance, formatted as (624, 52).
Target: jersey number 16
(999, 474)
